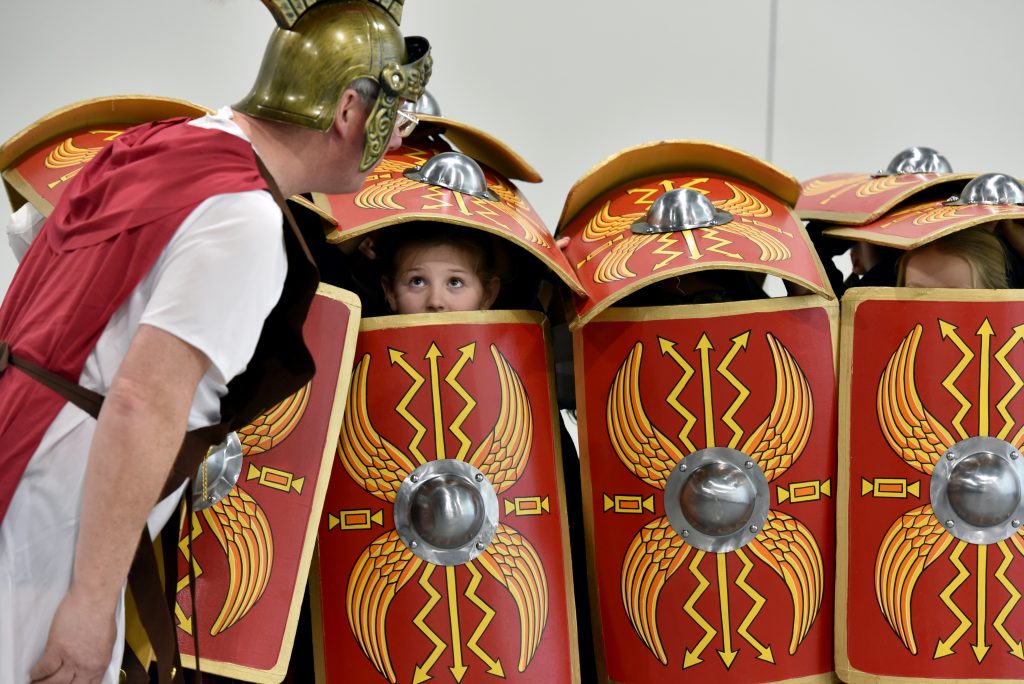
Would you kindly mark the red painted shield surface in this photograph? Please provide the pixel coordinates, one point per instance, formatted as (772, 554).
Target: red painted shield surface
(656, 385)
(38, 161)
(923, 371)
(856, 198)
(388, 198)
(469, 386)
(611, 261)
(252, 550)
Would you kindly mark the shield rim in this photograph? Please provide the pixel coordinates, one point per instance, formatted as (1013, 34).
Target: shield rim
(850, 303)
(280, 669)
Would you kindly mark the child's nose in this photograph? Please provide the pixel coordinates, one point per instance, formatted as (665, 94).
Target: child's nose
(436, 300)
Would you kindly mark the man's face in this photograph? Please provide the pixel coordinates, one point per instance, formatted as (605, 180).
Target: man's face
(348, 177)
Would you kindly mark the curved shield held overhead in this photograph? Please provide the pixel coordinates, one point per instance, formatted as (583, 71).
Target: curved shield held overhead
(706, 423)
(930, 545)
(443, 548)
(251, 546)
(37, 163)
(858, 198)
(616, 250)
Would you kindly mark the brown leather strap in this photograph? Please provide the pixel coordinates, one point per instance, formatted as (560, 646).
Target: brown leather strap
(144, 581)
(83, 398)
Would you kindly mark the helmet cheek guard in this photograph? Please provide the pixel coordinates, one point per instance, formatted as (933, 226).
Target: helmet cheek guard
(397, 82)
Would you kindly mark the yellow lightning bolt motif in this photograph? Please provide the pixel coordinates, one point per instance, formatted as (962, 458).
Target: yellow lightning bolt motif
(718, 244)
(738, 342)
(398, 358)
(945, 646)
(691, 658)
(465, 356)
(493, 665)
(949, 332)
(1018, 383)
(666, 240)
(422, 672)
(668, 347)
(764, 652)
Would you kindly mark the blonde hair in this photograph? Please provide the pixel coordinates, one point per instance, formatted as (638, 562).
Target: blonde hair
(979, 247)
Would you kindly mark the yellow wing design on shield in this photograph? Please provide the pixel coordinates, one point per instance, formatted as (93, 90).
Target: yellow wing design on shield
(514, 563)
(512, 205)
(641, 447)
(382, 569)
(504, 453)
(913, 543)
(742, 203)
(652, 558)
(778, 442)
(913, 433)
(274, 425)
(243, 532)
(605, 225)
(69, 154)
(377, 465)
(789, 548)
(381, 194)
(614, 266)
(819, 186)
(772, 249)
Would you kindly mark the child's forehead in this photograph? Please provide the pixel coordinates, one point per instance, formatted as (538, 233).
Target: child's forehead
(412, 254)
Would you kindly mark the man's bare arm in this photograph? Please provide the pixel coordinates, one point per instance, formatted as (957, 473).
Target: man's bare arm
(138, 434)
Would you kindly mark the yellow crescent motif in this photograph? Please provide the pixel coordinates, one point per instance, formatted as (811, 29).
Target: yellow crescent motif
(382, 569)
(504, 453)
(614, 265)
(772, 249)
(68, 154)
(273, 427)
(654, 555)
(742, 203)
(819, 186)
(243, 531)
(605, 225)
(513, 562)
(912, 543)
(641, 447)
(913, 433)
(381, 194)
(876, 186)
(788, 547)
(377, 465)
(777, 443)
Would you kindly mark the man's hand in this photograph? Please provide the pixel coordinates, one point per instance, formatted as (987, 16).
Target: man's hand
(79, 644)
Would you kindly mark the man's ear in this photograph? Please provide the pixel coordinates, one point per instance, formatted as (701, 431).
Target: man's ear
(348, 117)
(389, 293)
(491, 289)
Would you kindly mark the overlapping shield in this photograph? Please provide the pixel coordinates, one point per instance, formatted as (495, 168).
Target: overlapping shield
(708, 445)
(251, 551)
(931, 557)
(443, 551)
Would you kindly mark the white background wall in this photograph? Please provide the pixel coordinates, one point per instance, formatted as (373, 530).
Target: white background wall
(567, 83)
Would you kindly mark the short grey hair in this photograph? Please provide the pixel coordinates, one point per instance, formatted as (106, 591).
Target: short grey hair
(367, 89)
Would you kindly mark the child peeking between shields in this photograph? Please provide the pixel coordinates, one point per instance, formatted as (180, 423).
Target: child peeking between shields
(431, 268)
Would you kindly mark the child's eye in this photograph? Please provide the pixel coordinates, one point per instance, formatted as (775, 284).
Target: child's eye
(455, 282)
(417, 281)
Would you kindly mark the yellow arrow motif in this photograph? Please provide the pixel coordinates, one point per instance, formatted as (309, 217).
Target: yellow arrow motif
(668, 347)
(398, 359)
(458, 670)
(1016, 647)
(1018, 383)
(764, 652)
(948, 331)
(985, 333)
(185, 546)
(738, 342)
(727, 654)
(493, 664)
(465, 356)
(691, 658)
(981, 648)
(422, 672)
(435, 396)
(945, 647)
(704, 346)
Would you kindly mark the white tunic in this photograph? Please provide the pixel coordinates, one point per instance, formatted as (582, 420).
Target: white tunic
(213, 286)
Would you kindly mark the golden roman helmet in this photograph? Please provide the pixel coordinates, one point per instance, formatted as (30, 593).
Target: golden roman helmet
(320, 48)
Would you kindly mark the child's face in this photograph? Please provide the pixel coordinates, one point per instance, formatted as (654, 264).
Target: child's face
(435, 278)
